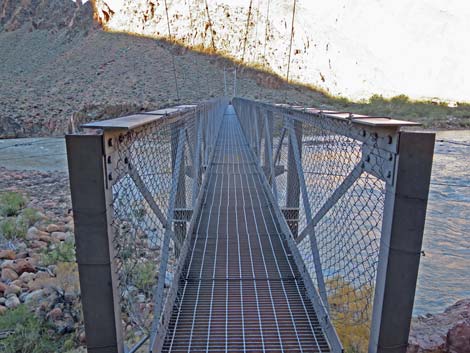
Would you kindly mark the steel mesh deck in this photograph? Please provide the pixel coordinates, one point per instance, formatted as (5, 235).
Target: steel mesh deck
(240, 290)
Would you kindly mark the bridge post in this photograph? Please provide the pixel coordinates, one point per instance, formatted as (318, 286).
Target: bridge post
(293, 183)
(268, 145)
(180, 198)
(90, 160)
(400, 246)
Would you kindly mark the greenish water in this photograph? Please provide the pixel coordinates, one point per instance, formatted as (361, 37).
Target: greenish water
(444, 272)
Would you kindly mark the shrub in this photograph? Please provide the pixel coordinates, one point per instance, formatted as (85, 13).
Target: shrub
(351, 313)
(63, 252)
(12, 228)
(30, 216)
(66, 278)
(11, 203)
(25, 333)
(145, 275)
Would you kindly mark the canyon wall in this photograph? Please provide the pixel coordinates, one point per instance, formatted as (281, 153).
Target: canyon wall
(352, 48)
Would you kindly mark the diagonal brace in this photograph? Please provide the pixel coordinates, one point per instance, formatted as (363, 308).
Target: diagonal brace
(166, 242)
(332, 200)
(308, 214)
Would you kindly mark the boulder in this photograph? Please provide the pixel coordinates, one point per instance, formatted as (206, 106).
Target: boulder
(24, 265)
(447, 332)
(458, 337)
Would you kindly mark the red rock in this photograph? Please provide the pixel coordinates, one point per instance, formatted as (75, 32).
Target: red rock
(447, 332)
(55, 314)
(24, 265)
(458, 338)
(7, 255)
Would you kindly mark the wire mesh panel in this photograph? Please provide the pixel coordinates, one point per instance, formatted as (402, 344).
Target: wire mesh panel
(328, 173)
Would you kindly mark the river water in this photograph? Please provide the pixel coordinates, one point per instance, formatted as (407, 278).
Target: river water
(444, 275)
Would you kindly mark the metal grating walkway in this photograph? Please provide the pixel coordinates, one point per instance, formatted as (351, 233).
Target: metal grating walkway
(240, 290)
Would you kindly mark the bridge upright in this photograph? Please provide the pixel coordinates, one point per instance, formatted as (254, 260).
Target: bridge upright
(248, 227)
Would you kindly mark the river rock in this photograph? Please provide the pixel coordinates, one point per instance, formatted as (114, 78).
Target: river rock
(38, 244)
(24, 265)
(7, 255)
(27, 277)
(12, 289)
(447, 332)
(55, 314)
(12, 301)
(3, 287)
(59, 235)
(31, 234)
(34, 297)
(9, 274)
(51, 228)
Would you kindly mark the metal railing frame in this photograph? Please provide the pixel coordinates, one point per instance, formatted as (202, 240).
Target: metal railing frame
(403, 162)
(92, 160)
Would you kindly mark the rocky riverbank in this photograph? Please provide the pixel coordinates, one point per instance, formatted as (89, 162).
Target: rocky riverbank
(37, 259)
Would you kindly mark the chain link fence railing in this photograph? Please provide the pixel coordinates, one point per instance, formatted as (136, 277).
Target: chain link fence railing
(153, 170)
(329, 173)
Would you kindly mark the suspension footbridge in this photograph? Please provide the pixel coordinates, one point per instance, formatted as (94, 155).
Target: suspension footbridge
(242, 226)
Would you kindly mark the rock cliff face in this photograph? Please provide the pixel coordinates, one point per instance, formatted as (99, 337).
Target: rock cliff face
(354, 48)
(44, 14)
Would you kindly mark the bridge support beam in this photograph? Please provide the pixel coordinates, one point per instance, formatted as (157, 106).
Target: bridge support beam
(293, 183)
(91, 199)
(180, 198)
(400, 247)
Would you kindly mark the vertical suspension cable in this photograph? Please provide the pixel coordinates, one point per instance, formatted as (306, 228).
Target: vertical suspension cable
(291, 38)
(210, 26)
(172, 54)
(247, 30)
(256, 33)
(266, 32)
(191, 23)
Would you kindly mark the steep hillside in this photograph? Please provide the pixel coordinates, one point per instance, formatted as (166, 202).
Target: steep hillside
(56, 63)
